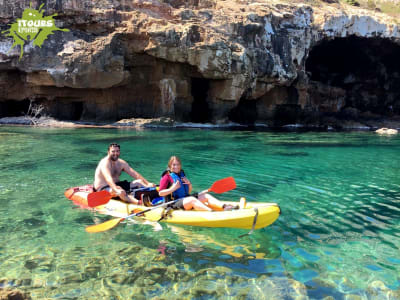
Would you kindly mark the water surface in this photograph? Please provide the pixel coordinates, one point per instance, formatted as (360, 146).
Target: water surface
(338, 235)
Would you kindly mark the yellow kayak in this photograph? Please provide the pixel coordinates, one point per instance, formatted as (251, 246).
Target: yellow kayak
(244, 218)
(252, 216)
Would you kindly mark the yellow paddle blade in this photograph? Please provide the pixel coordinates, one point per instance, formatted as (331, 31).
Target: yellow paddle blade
(103, 226)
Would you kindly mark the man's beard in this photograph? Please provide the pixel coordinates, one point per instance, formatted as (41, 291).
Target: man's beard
(114, 157)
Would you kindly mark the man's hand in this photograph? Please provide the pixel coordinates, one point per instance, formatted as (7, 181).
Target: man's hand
(119, 191)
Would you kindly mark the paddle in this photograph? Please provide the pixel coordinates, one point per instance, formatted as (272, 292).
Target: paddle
(114, 222)
(219, 187)
(98, 198)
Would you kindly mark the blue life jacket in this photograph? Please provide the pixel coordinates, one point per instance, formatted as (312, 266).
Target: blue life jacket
(182, 192)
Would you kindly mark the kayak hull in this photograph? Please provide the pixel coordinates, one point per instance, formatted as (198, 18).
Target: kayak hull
(257, 215)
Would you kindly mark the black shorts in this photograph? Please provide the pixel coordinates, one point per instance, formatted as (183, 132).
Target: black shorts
(126, 185)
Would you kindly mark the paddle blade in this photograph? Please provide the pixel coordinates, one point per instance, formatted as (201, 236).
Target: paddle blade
(98, 198)
(103, 226)
(223, 185)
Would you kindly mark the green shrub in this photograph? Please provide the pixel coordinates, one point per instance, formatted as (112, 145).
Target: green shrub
(371, 4)
(390, 8)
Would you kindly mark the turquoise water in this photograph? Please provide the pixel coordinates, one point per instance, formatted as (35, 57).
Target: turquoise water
(338, 235)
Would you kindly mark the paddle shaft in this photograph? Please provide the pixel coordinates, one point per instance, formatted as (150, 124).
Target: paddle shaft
(150, 209)
(219, 187)
(159, 206)
(114, 222)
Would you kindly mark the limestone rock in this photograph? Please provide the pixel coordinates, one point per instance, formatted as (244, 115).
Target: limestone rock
(254, 60)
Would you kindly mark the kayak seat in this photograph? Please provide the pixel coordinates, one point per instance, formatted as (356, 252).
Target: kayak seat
(148, 195)
(146, 200)
(151, 192)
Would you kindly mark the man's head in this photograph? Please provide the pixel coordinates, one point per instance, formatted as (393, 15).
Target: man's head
(113, 151)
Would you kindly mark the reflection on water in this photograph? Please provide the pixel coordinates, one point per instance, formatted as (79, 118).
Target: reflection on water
(338, 235)
(225, 243)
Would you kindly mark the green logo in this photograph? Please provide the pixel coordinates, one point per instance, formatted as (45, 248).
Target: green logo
(32, 27)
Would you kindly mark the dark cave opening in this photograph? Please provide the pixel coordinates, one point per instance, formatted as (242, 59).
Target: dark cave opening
(200, 112)
(78, 111)
(12, 108)
(60, 109)
(68, 110)
(290, 112)
(367, 69)
(245, 112)
(287, 114)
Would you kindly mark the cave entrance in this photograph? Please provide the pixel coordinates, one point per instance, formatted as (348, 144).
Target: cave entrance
(12, 108)
(70, 110)
(287, 114)
(60, 109)
(65, 109)
(200, 112)
(245, 112)
(367, 69)
(78, 111)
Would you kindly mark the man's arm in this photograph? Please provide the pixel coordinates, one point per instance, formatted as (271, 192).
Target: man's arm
(131, 172)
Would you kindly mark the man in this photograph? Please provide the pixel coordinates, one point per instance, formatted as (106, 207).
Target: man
(107, 176)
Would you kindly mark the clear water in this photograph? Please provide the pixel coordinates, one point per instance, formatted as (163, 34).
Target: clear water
(338, 235)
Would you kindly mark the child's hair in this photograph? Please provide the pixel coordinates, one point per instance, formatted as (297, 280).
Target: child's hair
(171, 161)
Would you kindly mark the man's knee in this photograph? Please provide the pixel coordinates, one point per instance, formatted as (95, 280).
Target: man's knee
(137, 183)
(122, 195)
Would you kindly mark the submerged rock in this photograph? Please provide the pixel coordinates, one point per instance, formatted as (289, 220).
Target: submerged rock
(380, 290)
(8, 294)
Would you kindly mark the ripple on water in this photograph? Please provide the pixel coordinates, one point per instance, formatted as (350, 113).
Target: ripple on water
(33, 222)
(394, 260)
(85, 166)
(293, 261)
(304, 275)
(306, 255)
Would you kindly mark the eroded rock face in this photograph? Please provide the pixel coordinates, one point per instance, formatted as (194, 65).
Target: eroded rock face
(246, 61)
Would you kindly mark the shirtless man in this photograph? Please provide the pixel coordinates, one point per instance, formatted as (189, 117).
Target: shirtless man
(107, 176)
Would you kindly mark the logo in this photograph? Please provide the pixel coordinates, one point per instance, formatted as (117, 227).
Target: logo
(33, 26)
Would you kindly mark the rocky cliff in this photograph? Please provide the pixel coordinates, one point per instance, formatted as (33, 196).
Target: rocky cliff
(267, 62)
